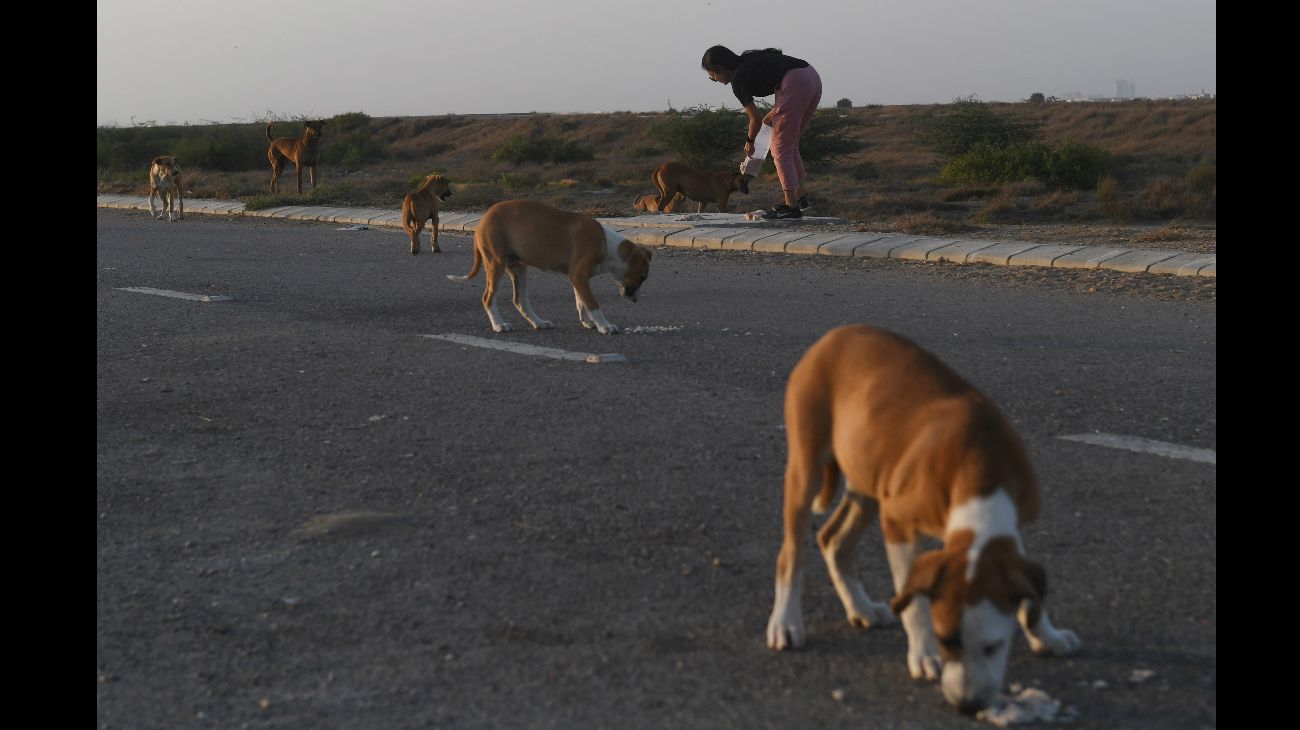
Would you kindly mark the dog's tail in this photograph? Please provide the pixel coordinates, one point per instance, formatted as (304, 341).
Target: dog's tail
(269, 138)
(473, 270)
(830, 486)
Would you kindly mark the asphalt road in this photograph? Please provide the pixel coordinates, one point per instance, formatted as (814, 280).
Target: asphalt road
(309, 515)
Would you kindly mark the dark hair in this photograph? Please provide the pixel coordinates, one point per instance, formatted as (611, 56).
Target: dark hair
(720, 57)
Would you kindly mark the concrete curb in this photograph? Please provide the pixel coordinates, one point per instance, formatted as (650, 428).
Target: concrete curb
(730, 232)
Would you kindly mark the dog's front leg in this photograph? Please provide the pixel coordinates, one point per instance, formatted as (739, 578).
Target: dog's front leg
(180, 200)
(582, 286)
(156, 214)
(923, 661)
(1044, 638)
(433, 233)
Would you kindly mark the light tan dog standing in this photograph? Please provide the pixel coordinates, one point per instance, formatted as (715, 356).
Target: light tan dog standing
(931, 455)
(302, 151)
(421, 206)
(702, 186)
(516, 234)
(165, 182)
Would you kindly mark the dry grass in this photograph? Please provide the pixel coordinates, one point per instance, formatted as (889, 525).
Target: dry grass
(1166, 150)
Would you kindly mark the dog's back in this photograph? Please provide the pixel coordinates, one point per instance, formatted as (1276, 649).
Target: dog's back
(900, 423)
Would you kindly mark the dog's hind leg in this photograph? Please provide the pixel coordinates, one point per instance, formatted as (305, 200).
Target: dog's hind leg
(277, 166)
(433, 232)
(180, 199)
(785, 627)
(838, 541)
(519, 282)
(493, 275)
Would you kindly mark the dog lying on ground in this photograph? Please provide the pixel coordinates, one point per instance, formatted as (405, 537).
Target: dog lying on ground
(165, 182)
(421, 206)
(928, 453)
(650, 203)
(516, 234)
(702, 186)
(302, 151)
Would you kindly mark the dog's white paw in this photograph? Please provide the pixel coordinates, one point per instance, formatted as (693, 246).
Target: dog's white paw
(787, 633)
(542, 324)
(159, 216)
(924, 664)
(871, 613)
(1057, 642)
(608, 329)
(503, 327)
(586, 324)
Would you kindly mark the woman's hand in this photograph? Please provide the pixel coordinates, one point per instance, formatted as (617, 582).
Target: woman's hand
(749, 149)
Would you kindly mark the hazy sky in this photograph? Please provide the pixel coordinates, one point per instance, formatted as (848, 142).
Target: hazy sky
(177, 61)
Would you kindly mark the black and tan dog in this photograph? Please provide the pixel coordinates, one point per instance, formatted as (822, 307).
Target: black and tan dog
(421, 206)
(702, 186)
(302, 151)
(517, 234)
(165, 182)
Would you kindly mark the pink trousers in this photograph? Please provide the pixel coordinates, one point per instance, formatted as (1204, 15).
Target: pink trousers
(796, 102)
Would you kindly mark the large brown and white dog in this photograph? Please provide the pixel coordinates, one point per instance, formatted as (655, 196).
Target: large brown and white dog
(165, 182)
(932, 455)
(702, 186)
(516, 234)
(421, 206)
(302, 151)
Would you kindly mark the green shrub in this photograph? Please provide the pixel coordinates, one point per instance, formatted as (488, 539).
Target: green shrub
(519, 149)
(348, 122)
(1203, 178)
(512, 181)
(1069, 165)
(715, 138)
(959, 127)
(353, 149)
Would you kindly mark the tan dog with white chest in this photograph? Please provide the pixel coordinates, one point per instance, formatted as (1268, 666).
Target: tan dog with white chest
(931, 455)
(702, 186)
(421, 206)
(165, 182)
(517, 234)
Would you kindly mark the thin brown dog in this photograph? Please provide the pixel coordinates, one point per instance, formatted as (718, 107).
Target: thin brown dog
(421, 206)
(702, 186)
(517, 234)
(165, 182)
(302, 151)
(929, 454)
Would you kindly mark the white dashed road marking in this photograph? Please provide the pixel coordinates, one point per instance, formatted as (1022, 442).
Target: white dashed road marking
(534, 350)
(177, 294)
(1145, 446)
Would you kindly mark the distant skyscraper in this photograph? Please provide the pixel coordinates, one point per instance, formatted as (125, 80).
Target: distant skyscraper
(1125, 89)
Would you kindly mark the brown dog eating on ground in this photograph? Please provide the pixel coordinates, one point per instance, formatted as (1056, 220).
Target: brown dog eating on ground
(302, 151)
(421, 206)
(165, 182)
(702, 186)
(928, 454)
(517, 234)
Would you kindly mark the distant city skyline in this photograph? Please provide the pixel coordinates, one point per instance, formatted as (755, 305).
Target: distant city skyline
(174, 63)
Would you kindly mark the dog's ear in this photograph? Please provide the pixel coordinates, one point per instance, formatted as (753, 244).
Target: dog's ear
(1027, 585)
(924, 578)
